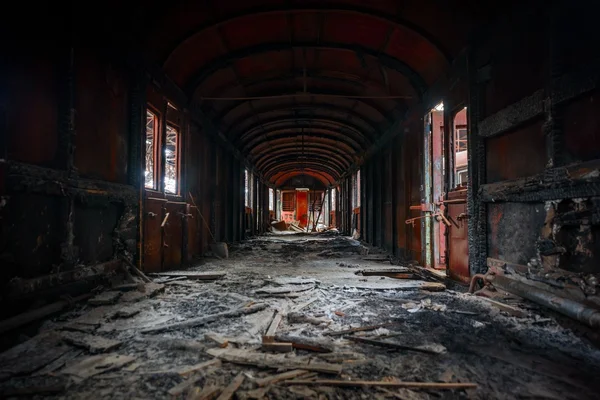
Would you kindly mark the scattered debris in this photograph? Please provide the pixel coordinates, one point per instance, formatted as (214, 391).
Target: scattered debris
(205, 320)
(269, 336)
(514, 311)
(285, 289)
(218, 339)
(248, 357)
(358, 329)
(277, 347)
(202, 276)
(425, 304)
(438, 349)
(301, 318)
(307, 343)
(105, 298)
(98, 364)
(233, 386)
(93, 344)
(281, 377)
(150, 290)
(195, 368)
(413, 385)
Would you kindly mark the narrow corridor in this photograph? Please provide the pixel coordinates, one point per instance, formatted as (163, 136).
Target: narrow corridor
(164, 342)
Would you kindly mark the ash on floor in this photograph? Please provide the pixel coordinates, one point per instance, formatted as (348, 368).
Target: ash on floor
(198, 339)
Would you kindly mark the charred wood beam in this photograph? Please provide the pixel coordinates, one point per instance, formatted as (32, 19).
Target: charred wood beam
(575, 181)
(564, 88)
(476, 208)
(34, 179)
(514, 115)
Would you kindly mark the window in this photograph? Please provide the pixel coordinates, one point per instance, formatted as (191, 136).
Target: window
(172, 161)
(271, 200)
(150, 165)
(288, 201)
(460, 148)
(461, 139)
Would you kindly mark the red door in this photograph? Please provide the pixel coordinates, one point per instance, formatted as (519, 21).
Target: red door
(302, 207)
(458, 246)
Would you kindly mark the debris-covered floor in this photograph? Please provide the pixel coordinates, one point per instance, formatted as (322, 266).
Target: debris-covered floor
(269, 322)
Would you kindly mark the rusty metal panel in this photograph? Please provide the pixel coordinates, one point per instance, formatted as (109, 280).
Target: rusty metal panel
(458, 245)
(513, 228)
(518, 154)
(102, 118)
(173, 236)
(153, 216)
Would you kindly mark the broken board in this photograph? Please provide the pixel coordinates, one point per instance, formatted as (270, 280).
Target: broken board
(204, 276)
(247, 357)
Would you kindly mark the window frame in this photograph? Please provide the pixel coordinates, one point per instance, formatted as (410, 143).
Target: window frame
(177, 130)
(155, 146)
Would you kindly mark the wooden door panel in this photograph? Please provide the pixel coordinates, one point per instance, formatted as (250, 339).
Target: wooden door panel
(153, 216)
(458, 243)
(173, 236)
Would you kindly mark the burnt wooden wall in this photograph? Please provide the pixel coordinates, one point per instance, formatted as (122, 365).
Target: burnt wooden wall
(530, 82)
(72, 128)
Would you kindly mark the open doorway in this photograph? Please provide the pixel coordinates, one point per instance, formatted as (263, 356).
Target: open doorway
(456, 200)
(434, 224)
(444, 201)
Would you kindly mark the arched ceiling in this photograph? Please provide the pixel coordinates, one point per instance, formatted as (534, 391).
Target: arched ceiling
(306, 87)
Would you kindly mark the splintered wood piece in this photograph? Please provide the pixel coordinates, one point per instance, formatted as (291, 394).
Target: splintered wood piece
(307, 343)
(277, 347)
(359, 329)
(105, 298)
(190, 323)
(515, 312)
(219, 340)
(94, 344)
(99, 364)
(339, 314)
(391, 345)
(59, 362)
(135, 270)
(304, 305)
(281, 377)
(262, 360)
(410, 385)
(233, 386)
(183, 386)
(210, 363)
(269, 337)
(207, 393)
(204, 276)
